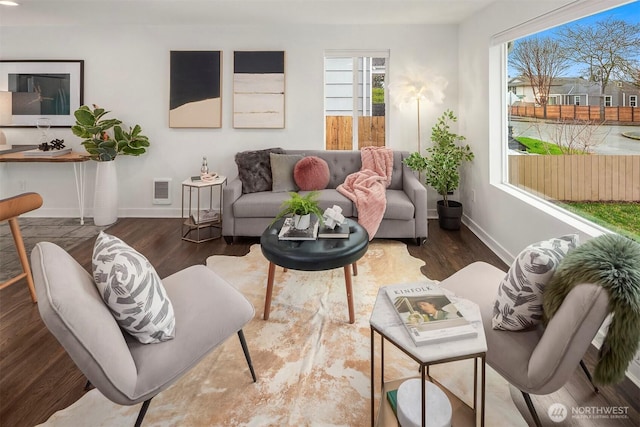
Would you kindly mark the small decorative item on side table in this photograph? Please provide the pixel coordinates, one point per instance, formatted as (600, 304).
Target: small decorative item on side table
(388, 324)
(200, 223)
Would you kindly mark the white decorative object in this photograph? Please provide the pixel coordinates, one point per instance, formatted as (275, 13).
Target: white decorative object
(105, 202)
(438, 408)
(333, 216)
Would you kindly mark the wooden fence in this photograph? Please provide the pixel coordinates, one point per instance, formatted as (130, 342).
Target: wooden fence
(580, 112)
(578, 177)
(339, 131)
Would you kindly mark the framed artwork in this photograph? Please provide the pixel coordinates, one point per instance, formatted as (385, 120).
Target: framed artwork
(195, 99)
(47, 89)
(258, 89)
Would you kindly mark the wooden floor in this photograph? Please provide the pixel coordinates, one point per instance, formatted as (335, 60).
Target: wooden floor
(37, 378)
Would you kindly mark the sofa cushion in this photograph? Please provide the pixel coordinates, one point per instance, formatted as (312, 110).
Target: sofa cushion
(254, 169)
(268, 204)
(518, 305)
(132, 290)
(282, 171)
(311, 173)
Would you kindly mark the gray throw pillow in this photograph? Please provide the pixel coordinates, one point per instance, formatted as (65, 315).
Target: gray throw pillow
(132, 290)
(254, 169)
(282, 171)
(518, 305)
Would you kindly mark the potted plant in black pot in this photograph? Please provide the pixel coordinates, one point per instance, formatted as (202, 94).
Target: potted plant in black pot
(104, 139)
(441, 167)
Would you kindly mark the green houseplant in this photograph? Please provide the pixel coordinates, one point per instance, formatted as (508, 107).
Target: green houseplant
(99, 143)
(104, 139)
(302, 207)
(441, 167)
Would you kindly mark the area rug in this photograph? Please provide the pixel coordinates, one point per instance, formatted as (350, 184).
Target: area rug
(313, 367)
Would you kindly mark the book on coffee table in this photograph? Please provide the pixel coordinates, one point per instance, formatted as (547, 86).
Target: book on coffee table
(289, 232)
(339, 232)
(428, 313)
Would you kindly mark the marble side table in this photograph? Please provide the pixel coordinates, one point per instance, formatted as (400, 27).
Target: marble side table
(385, 322)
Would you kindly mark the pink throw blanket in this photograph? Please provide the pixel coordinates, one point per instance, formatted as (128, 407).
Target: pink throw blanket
(367, 188)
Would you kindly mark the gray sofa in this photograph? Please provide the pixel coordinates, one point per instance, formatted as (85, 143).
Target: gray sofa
(405, 215)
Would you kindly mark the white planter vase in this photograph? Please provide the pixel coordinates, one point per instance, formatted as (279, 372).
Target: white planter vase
(105, 196)
(301, 222)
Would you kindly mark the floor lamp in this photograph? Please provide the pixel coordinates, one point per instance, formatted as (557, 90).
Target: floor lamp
(5, 114)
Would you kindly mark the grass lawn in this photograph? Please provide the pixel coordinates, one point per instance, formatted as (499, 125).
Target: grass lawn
(536, 146)
(623, 218)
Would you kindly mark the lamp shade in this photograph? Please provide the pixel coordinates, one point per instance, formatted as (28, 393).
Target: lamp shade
(6, 111)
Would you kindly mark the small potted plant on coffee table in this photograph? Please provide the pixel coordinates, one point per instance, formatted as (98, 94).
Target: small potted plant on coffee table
(301, 207)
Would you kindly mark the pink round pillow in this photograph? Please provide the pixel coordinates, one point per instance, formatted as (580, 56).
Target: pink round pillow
(311, 173)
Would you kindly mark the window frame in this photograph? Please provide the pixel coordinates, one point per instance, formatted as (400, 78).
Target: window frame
(633, 100)
(498, 111)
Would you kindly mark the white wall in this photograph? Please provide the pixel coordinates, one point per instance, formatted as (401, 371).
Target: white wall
(127, 72)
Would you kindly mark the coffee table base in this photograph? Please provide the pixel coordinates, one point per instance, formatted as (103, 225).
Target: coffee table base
(347, 280)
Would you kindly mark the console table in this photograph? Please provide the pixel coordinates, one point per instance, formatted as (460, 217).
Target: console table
(77, 159)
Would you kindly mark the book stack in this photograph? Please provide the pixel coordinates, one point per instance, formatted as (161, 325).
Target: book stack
(428, 314)
(339, 232)
(289, 232)
(206, 215)
(49, 153)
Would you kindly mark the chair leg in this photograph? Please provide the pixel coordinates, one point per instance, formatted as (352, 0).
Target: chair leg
(88, 386)
(586, 371)
(532, 410)
(245, 349)
(143, 412)
(24, 260)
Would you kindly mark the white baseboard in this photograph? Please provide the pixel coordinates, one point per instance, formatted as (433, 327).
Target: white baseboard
(496, 247)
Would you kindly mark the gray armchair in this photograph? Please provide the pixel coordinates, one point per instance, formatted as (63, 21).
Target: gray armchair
(207, 309)
(537, 361)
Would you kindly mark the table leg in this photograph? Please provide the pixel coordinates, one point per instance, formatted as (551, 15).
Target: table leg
(347, 279)
(373, 415)
(355, 268)
(267, 301)
(78, 171)
(483, 369)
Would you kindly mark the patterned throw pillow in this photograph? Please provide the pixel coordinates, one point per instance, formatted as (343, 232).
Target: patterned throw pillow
(132, 290)
(518, 305)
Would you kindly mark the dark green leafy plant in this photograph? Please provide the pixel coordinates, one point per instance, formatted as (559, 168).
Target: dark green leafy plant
(442, 163)
(300, 205)
(101, 146)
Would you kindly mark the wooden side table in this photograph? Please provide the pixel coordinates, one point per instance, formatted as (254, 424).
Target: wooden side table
(197, 225)
(384, 321)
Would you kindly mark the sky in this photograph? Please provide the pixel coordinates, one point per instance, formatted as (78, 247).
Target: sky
(629, 12)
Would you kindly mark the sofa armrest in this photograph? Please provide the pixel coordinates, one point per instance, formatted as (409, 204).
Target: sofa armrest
(417, 193)
(231, 192)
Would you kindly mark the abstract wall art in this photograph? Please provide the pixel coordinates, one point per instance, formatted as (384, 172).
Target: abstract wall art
(195, 99)
(258, 89)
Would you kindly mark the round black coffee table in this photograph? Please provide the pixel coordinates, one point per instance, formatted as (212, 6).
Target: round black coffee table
(314, 255)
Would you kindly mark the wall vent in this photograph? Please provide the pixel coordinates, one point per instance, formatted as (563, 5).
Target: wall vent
(162, 191)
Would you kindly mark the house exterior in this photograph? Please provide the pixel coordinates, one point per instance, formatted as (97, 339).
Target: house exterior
(577, 91)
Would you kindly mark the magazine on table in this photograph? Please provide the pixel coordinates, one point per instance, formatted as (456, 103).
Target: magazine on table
(428, 314)
(289, 232)
(206, 215)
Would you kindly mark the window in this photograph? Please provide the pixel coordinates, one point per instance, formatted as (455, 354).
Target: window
(573, 158)
(355, 99)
